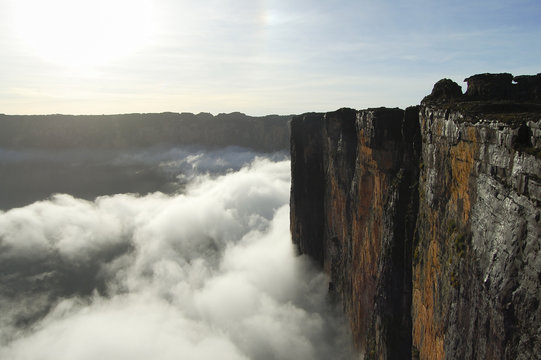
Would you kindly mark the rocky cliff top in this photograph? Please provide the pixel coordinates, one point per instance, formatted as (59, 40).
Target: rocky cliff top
(504, 86)
(489, 87)
(511, 100)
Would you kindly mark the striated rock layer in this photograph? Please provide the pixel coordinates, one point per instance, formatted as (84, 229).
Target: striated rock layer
(428, 220)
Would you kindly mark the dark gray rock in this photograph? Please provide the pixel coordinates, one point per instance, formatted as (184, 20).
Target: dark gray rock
(528, 87)
(489, 86)
(443, 91)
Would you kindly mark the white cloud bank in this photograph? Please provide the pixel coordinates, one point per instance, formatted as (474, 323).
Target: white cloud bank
(207, 274)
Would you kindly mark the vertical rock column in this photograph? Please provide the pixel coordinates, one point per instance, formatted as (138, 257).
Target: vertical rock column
(353, 209)
(307, 189)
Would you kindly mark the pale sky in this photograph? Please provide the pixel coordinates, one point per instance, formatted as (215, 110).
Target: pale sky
(254, 56)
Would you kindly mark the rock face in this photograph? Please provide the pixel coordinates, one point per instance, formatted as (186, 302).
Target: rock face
(428, 220)
(353, 209)
(477, 264)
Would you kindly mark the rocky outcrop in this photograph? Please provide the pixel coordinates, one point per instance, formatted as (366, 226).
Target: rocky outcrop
(428, 220)
(445, 90)
(504, 86)
(56, 132)
(489, 86)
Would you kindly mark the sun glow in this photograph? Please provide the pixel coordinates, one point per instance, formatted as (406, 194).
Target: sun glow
(83, 33)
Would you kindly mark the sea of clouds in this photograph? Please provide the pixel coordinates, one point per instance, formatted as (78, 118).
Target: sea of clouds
(207, 272)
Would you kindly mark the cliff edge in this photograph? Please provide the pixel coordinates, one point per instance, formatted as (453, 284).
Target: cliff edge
(428, 219)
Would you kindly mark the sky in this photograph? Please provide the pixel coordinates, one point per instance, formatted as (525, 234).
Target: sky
(254, 56)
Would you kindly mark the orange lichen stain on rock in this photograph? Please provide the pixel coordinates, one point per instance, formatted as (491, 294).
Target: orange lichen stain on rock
(366, 246)
(365, 155)
(366, 236)
(427, 330)
(462, 163)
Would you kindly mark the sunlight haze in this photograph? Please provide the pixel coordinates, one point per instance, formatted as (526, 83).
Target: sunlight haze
(257, 57)
(82, 35)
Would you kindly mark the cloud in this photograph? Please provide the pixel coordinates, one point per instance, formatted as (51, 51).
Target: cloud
(29, 175)
(208, 273)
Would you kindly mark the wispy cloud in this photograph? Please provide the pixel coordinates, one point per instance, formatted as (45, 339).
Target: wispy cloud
(208, 273)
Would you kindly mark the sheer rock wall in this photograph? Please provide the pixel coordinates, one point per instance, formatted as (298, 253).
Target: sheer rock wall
(428, 220)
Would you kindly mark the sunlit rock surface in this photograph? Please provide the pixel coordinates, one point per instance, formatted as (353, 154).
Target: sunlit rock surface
(477, 266)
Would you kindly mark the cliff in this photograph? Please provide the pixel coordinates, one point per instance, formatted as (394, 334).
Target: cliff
(268, 133)
(428, 220)
(477, 264)
(353, 209)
